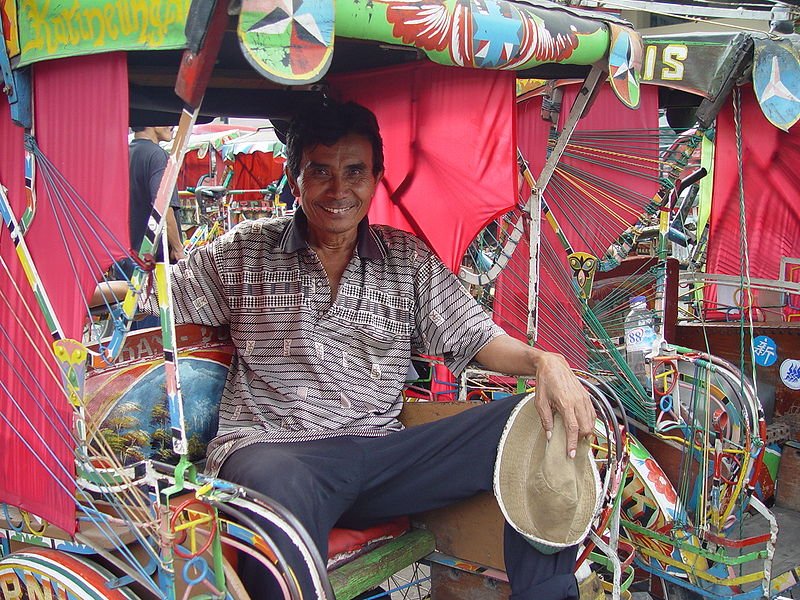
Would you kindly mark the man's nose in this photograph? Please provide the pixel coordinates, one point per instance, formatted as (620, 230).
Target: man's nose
(339, 185)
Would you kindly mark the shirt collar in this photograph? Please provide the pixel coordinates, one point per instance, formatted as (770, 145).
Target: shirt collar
(296, 237)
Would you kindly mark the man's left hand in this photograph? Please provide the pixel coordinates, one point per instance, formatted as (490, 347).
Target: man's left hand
(557, 389)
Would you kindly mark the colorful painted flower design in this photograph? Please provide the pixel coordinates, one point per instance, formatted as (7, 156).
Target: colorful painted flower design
(662, 485)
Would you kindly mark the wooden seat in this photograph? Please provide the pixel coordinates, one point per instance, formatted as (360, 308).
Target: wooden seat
(376, 566)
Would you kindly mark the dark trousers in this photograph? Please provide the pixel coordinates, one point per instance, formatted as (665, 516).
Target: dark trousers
(356, 482)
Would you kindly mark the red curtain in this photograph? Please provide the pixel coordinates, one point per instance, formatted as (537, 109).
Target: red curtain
(80, 108)
(771, 182)
(81, 124)
(255, 171)
(450, 150)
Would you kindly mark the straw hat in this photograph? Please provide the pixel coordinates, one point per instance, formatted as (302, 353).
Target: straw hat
(546, 496)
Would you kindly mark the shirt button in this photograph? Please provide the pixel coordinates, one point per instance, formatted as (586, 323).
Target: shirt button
(319, 349)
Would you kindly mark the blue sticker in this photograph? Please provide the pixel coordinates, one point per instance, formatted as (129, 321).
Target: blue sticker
(790, 373)
(765, 351)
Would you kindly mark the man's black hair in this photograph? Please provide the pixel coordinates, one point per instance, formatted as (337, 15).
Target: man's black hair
(326, 124)
(138, 129)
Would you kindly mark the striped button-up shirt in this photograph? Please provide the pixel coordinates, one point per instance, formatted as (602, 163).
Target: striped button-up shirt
(307, 368)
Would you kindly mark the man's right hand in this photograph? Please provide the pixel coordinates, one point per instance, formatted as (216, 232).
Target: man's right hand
(177, 254)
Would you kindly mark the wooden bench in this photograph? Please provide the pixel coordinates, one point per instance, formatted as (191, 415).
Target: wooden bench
(374, 567)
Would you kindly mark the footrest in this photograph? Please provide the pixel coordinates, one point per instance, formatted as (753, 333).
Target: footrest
(376, 566)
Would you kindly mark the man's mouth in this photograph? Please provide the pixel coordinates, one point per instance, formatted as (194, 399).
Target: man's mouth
(337, 211)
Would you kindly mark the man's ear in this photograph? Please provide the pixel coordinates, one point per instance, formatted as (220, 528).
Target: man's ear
(292, 182)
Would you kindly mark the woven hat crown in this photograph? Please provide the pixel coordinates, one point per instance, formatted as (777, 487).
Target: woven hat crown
(546, 496)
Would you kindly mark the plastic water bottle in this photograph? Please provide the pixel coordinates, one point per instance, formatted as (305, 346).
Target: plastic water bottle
(640, 336)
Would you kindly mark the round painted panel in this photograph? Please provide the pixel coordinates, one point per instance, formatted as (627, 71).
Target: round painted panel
(44, 573)
(127, 403)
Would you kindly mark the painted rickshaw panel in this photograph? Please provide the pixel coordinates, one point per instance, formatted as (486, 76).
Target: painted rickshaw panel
(127, 404)
(494, 34)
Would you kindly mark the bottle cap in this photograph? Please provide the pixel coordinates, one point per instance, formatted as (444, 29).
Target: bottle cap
(635, 299)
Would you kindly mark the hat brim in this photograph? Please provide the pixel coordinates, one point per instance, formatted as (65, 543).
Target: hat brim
(523, 437)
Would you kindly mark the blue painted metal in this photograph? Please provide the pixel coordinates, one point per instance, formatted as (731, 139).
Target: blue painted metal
(776, 80)
(17, 86)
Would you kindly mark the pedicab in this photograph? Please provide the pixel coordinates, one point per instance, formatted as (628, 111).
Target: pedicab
(631, 218)
(92, 507)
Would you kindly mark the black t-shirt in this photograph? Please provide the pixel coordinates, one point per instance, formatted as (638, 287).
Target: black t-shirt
(287, 197)
(147, 161)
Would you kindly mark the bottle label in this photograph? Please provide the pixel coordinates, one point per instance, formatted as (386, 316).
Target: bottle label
(640, 338)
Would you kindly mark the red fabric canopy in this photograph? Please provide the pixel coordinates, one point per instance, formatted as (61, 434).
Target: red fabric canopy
(450, 150)
(255, 171)
(194, 168)
(771, 182)
(81, 126)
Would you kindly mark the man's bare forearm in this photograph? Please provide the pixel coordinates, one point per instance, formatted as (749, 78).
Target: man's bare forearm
(174, 236)
(509, 355)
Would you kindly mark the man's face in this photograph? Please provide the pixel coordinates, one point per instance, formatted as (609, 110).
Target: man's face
(336, 186)
(164, 134)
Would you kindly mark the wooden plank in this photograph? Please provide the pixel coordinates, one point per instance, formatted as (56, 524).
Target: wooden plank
(419, 413)
(471, 529)
(375, 567)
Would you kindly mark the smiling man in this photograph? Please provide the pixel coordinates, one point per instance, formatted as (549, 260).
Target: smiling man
(325, 311)
(336, 184)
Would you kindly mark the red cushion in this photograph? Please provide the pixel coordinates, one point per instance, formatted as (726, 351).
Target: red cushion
(344, 544)
(351, 540)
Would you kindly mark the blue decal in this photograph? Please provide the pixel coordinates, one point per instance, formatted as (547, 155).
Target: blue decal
(765, 351)
(776, 79)
(790, 373)
(496, 36)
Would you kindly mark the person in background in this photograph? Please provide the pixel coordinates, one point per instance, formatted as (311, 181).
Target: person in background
(147, 162)
(287, 197)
